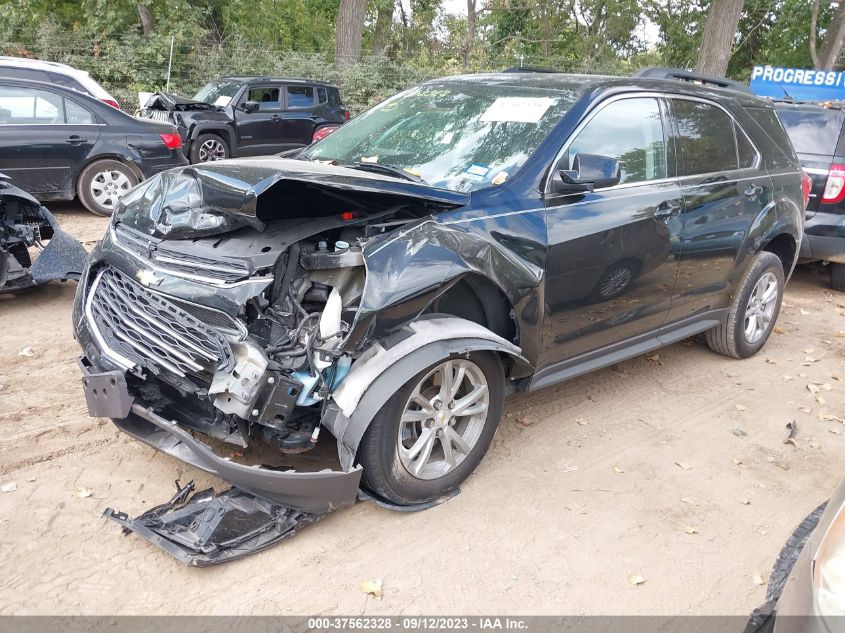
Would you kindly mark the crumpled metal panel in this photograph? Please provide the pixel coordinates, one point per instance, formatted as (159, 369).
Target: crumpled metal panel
(215, 198)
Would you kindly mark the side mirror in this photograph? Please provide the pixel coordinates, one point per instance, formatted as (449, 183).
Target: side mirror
(589, 171)
(250, 107)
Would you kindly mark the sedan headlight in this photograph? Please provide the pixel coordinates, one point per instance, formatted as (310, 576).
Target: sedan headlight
(829, 569)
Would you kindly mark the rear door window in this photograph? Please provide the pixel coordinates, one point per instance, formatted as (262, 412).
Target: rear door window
(300, 97)
(631, 131)
(812, 131)
(75, 114)
(705, 138)
(322, 94)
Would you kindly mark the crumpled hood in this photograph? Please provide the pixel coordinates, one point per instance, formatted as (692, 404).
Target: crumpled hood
(214, 198)
(171, 101)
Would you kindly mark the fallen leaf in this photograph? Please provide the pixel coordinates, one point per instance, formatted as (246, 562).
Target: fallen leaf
(808, 350)
(806, 410)
(787, 377)
(778, 330)
(820, 399)
(581, 421)
(740, 407)
(771, 361)
(757, 578)
(690, 530)
(739, 432)
(84, 493)
(746, 502)
(525, 421)
(804, 312)
(9, 486)
(835, 376)
(770, 459)
(835, 431)
(636, 579)
(26, 351)
(372, 588)
(791, 431)
(737, 462)
(827, 386)
(802, 375)
(655, 358)
(814, 389)
(617, 470)
(814, 444)
(684, 465)
(31, 478)
(689, 501)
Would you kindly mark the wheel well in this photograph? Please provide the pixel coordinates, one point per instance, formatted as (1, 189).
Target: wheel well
(478, 299)
(784, 247)
(221, 132)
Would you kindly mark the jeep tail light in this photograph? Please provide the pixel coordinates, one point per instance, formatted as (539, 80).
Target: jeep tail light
(806, 186)
(111, 102)
(323, 132)
(834, 191)
(346, 114)
(171, 140)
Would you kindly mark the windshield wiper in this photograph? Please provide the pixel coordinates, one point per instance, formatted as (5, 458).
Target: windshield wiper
(390, 170)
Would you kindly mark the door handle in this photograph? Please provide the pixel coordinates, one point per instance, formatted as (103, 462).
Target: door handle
(75, 140)
(666, 212)
(752, 191)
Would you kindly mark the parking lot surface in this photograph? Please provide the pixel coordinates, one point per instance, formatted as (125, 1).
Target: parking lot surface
(661, 485)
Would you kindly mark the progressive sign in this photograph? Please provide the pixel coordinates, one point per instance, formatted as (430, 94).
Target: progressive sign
(798, 83)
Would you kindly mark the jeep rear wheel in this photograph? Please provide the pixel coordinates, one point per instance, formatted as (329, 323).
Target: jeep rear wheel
(433, 432)
(754, 310)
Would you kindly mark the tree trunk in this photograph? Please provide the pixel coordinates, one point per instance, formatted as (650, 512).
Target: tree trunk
(350, 27)
(722, 22)
(384, 25)
(148, 22)
(833, 38)
(814, 28)
(470, 42)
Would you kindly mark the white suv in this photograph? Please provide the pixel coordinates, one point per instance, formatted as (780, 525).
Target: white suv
(55, 73)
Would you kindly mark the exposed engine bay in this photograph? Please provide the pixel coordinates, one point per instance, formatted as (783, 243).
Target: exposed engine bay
(33, 249)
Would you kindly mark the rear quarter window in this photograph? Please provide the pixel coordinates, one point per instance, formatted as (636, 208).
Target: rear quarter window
(812, 131)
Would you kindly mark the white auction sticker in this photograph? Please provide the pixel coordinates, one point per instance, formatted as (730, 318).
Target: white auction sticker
(518, 109)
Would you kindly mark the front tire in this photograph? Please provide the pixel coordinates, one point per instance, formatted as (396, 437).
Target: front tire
(754, 310)
(208, 147)
(102, 183)
(434, 431)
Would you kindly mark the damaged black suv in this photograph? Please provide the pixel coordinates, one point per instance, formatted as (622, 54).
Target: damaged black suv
(391, 284)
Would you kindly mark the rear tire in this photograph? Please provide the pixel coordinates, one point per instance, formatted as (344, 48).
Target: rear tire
(208, 147)
(837, 276)
(102, 183)
(417, 469)
(753, 312)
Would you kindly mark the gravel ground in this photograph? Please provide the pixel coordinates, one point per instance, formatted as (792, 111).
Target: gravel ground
(658, 486)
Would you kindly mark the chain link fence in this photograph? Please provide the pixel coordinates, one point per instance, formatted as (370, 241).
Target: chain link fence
(137, 63)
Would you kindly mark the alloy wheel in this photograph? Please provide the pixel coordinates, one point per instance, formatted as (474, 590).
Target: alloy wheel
(761, 307)
(443, 419)
(212, 149)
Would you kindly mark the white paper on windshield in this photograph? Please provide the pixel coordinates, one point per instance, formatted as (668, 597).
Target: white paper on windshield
(518, 109)
(222, 101)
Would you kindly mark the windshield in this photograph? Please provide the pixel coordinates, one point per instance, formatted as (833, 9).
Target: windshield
(459, 136)
(217, 93)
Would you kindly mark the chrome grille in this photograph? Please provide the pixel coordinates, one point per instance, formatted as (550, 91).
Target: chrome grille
(136, 324)
(181, 264)
(156, 115)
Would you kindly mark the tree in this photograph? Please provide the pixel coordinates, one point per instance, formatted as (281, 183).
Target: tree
(833, 37)
(719, 32)
(348, 32)
(148, 23)
(384, 25)
(470, 40)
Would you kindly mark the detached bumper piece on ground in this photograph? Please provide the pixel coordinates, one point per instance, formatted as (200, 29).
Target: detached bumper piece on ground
(25, 225)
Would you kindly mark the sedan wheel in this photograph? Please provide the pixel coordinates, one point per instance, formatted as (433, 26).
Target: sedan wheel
(761, 307)
(107, 187)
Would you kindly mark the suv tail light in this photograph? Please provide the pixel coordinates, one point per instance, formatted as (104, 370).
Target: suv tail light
(346, 114)
(111, 102)
(171, 140)
(806, 187)
(834, 191)
(323, 132)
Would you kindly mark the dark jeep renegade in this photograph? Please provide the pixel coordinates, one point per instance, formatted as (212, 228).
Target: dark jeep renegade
(392, 283)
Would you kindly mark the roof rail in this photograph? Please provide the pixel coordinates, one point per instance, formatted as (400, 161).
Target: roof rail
(529, 69)
(679, 74)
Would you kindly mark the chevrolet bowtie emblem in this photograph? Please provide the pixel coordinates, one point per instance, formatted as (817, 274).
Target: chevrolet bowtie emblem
(148, 277)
